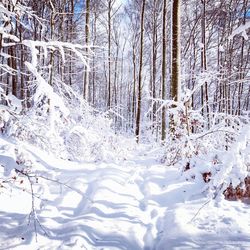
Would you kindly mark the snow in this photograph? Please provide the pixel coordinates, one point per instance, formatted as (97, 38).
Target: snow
(54, 45)
(68, 181)
(136, 203)
(78, 185)
(45, 90)
(14, 103)
(241, 30)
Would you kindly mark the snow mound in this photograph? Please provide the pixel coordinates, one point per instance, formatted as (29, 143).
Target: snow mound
(220, 169)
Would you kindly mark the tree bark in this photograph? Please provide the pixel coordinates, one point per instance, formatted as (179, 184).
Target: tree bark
(86, 73)
(109, 54)
(204, 89)
(138, 115)
(175, 82)
(163, 77)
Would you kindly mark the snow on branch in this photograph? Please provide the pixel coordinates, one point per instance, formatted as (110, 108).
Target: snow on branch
(44, 89)
(241, 29)
(8, 36)
(78, 49)
(3, 10)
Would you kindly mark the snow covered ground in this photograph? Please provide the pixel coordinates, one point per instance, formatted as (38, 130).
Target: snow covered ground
(133, 204)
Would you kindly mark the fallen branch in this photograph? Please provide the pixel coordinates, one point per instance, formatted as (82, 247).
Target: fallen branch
(33, 213)
(33, 210)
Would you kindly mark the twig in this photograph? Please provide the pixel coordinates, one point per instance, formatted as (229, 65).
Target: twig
(33, 196)
(55, 181)
(33, 213)
(33, 210)
(213, 131)
(175, 159)
(64, 184)
(215, 195)
(199, 210)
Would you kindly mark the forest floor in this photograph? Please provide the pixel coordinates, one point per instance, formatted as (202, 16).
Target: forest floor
(133, 204)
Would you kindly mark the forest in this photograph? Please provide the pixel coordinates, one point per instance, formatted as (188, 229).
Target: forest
(124, 124)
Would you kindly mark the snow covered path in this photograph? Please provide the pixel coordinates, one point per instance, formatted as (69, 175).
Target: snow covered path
(135, 204)
(106, 205)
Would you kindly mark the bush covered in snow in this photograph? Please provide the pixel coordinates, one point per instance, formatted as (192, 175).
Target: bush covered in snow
(220, 164)
(218, 155)
(68, 128)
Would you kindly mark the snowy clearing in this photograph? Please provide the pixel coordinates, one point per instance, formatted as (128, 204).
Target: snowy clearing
(124, 124)
(134, 204)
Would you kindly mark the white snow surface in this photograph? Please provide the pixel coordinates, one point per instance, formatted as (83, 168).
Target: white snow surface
(242, 29)
(134, 203)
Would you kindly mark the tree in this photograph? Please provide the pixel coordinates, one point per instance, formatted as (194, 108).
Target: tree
(139, 94)
(163, 77)
(176, 45)
(110, 2)
(86, 73)
(204, 89)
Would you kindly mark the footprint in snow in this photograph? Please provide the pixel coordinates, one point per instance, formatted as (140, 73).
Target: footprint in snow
(143, 205)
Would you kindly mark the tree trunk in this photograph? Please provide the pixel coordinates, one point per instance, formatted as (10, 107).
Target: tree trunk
(175, 82)
(138, 115)
(163, 77)
(86, 73)
(204, 89)
(134, 88)
(109, 54)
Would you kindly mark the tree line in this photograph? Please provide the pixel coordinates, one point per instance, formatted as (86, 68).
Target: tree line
(152, 65)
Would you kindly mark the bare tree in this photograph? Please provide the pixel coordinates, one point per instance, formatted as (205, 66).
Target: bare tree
(139, 94)
(163, 76)
(175, 82)
(86, 73)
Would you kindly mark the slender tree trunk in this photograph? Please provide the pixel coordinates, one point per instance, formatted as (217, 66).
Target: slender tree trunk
(52, 30)
(134, 88)
(175, 83)
(93, 60)
(163, 76)
(109, 54)
(204, 89)
(72, 7)
(138, 115)
(116, 75)
(22, 61)
(86, 73)
(14, 67)
(154, 65)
